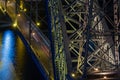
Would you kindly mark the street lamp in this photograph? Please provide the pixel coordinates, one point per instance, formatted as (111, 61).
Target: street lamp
(18, 14)
(96, 69)
(105, 77)
(38, 23)
(33, 33)
(24, 9)
(8, 2)
(15, 24)
(73, 74)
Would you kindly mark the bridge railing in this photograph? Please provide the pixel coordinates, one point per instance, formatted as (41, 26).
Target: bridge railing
(37, 41)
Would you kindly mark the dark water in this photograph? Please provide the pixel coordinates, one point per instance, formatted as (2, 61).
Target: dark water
(15, 61)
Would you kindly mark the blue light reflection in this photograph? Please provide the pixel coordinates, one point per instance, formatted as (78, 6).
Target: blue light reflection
(8, 45)
(7, 71)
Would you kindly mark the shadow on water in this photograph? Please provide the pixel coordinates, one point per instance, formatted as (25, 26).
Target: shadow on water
(15, 61)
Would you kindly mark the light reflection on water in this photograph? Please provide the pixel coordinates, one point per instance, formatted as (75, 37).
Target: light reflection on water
(7, 71)
(8, 46)
(15, 62)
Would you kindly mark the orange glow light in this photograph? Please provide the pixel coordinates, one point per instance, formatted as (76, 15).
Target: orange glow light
(105, 77)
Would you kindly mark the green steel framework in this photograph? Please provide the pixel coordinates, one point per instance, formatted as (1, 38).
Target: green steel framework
(60, 40)
(93, 43)
(83, 40)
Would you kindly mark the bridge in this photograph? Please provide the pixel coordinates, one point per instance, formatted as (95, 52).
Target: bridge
(83, 37)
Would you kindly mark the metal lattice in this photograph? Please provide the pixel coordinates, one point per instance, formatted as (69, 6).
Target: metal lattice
(92, 36)
(57, 25)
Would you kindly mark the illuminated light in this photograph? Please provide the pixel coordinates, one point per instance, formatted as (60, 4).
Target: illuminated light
(8, 1)
(24, 9)
(73, 75)
(21, 4)
(38, 24)
(15, 25)
(33, 33)
(96, 69)
(105, 77)
(18, 15)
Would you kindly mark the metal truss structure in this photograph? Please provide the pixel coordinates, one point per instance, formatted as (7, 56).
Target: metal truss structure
(85, 37)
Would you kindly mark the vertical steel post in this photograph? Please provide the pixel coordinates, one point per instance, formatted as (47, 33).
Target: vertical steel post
(88, 26)
(50, 37)
(59, 38)
(116, 24)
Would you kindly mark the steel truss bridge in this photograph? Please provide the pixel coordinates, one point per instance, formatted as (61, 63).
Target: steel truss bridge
(84, 36)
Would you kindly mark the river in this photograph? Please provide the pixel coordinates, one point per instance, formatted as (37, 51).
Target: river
(15, 60)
